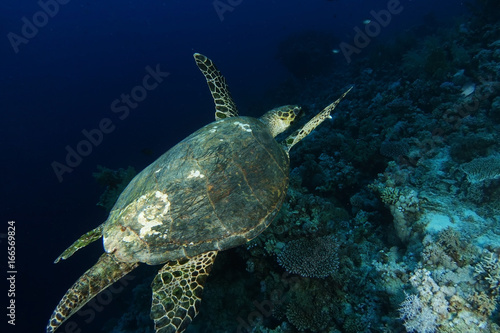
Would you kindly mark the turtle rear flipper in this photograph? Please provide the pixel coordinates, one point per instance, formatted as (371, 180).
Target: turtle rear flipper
(81, 242)
(177, 290)
(105, 272)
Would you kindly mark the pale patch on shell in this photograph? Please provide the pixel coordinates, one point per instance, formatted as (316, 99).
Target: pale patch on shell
(163, 197)
(213, 130)
(128, 239)
(153, 214)
(148, 224)
(245, 127)
(195, 174)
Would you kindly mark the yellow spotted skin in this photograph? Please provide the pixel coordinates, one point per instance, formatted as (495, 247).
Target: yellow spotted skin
(279, 119)
(81, 242)
(177, 290)
(105, 272)
(224, 104)
(301, 133)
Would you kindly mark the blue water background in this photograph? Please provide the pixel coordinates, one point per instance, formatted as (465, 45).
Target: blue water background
(65, 78)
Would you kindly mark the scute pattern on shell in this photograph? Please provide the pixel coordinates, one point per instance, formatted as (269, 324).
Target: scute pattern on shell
(216, 189)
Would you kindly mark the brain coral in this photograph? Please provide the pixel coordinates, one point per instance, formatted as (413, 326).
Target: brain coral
(310, 257)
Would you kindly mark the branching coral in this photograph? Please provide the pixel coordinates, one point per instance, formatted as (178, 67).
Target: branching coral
(417, 316)
(488, 271)
(483, 303)
(306, 317)
(447, 306)
(454, 246)
(402, 203)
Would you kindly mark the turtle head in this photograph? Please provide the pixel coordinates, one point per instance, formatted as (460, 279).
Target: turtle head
(279, 119)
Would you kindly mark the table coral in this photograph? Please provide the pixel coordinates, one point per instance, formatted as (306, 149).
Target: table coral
(310, 257)
(481, 169)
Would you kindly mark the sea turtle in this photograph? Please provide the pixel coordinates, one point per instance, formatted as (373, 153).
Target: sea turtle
(217, 189)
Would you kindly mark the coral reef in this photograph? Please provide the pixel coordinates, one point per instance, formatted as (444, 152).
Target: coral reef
(394, 149)
(481, 169)
(403, 204)
(391, 220)
(417, 317)
(310, 257)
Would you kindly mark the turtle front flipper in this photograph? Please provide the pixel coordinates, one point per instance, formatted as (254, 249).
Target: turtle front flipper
(105, 272)
(81, 242)
(224, 104)
(301, 133)
(177, 290)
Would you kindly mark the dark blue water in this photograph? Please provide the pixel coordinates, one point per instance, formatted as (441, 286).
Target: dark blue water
(61, 76)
